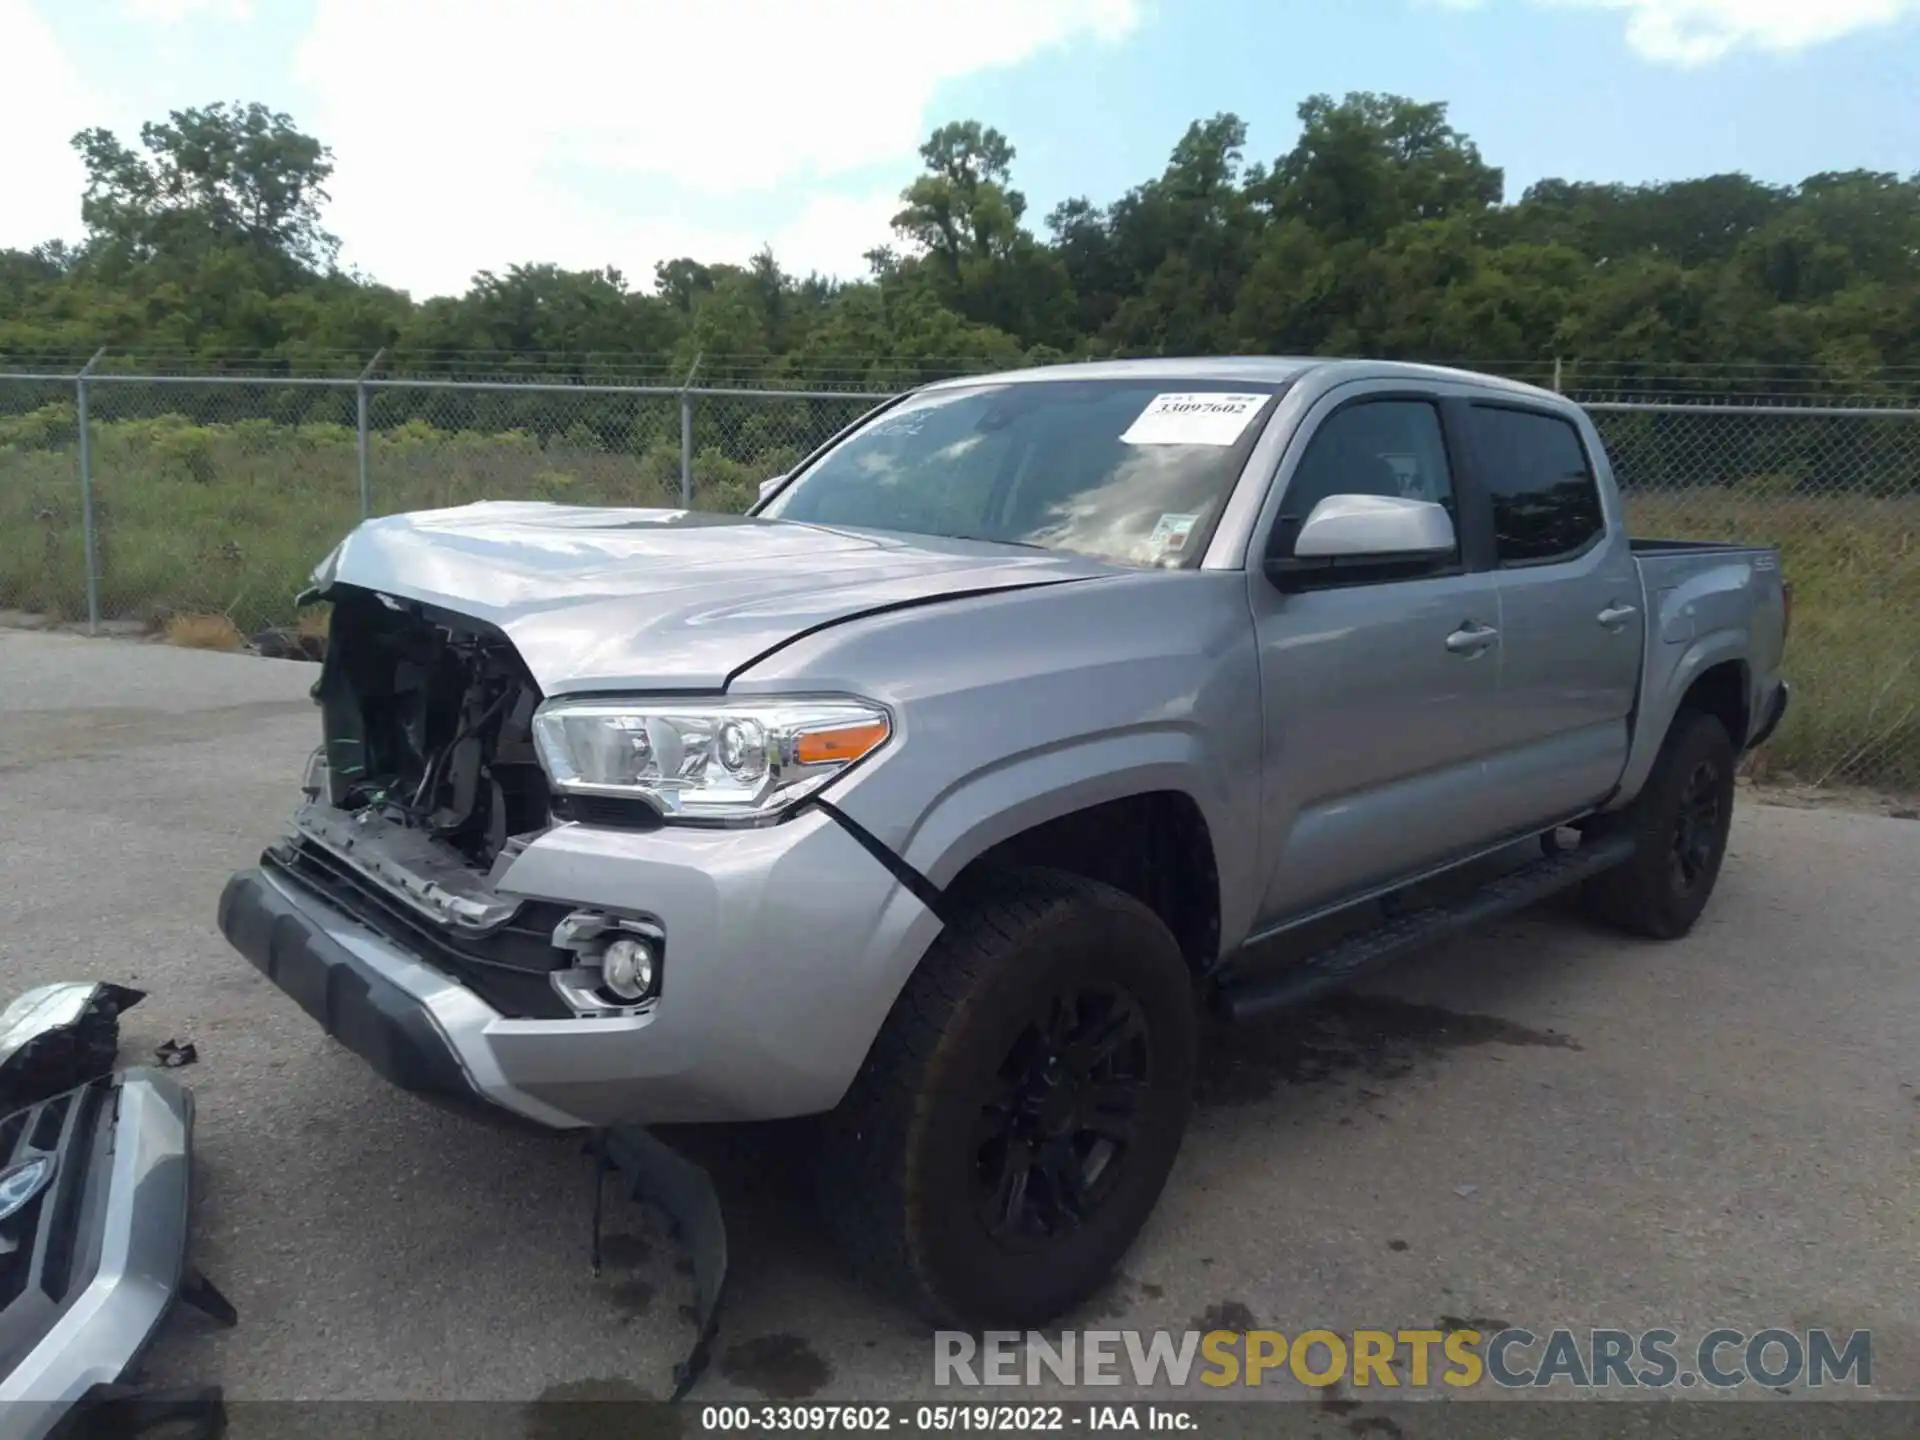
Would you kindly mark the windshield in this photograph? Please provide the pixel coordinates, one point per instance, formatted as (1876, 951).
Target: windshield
(1134, 471)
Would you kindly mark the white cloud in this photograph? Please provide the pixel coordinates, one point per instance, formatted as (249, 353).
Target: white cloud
(1697, 32)
(478, 135)
(173, 12)
(1694, 32)
(832, 232)
(43, 102)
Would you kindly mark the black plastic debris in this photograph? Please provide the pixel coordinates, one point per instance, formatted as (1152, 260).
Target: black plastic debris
(683, 1194)
(285, 644)
(55, 1038)
(200, 1293)
(173, 1055)
(122, 1412)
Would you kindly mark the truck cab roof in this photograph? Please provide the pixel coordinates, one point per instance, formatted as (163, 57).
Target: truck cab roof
(1251, 369)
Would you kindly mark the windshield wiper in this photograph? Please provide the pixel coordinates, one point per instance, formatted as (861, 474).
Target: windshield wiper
(996, 540)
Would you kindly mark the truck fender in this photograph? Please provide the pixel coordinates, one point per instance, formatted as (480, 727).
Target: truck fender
(1670, 673)
(999, 801)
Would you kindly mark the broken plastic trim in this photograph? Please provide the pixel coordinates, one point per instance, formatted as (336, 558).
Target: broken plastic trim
(421, 873)
(683, 1192)
(56, 1037)
(172, 1055)
(47, 1008)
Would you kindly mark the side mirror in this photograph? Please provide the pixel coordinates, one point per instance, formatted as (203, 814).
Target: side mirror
(1375, 527)
(1351, 539)
(767, 487)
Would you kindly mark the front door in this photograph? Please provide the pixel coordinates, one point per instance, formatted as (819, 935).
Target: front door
(1378, 696)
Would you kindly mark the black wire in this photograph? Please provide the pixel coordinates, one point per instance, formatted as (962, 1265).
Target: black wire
(412, 809)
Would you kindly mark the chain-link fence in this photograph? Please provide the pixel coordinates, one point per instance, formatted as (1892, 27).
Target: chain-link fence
(205, 501)
(1838, 490)
(205, 496)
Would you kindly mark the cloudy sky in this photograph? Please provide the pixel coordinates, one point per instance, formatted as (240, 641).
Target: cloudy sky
(475, 135)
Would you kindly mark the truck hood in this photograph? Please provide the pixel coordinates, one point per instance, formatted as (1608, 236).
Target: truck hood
(614, 599)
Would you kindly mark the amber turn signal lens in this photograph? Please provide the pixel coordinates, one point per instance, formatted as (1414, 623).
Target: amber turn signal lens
(838, 747)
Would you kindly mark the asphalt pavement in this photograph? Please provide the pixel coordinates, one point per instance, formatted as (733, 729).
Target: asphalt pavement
(1543, 1125)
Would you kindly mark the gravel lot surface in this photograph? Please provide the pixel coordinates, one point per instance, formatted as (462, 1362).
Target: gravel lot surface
(1545, 1125)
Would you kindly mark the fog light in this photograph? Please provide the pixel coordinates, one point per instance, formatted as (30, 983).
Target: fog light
(627, 968)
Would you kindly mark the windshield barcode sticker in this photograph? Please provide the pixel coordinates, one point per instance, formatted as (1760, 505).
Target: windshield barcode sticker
(1199, 419)
(1169, 537)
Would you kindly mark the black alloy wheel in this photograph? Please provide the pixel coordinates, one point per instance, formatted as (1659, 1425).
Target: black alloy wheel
(1063, 1116)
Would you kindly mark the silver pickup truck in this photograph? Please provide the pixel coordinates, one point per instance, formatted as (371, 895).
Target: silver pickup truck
(938, 796)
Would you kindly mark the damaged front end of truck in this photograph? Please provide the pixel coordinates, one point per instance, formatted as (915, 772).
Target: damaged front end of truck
(380, 911)
(562, 852)
(427, 723)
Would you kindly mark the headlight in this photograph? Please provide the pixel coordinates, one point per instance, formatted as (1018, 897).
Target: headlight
(720, 760)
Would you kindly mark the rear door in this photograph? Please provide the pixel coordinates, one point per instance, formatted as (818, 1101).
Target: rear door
(1570, 612)
(1378, 695)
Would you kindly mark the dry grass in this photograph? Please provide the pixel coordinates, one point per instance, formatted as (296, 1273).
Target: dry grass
(1854, 655)
(204, 632)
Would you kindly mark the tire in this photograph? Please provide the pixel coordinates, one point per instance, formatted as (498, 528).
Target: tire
(1680, 823)
(955, 1174)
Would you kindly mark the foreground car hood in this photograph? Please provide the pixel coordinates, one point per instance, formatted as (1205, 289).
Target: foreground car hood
(603, 599)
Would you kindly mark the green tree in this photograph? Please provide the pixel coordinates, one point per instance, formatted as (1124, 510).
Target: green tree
(963, 208)
(1370, 162)
(206, 178)
(681, 282)
(1382, 229)
(1694, 222)
(1160, 268)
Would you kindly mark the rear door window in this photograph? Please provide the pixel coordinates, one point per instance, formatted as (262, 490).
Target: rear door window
(1540, 481)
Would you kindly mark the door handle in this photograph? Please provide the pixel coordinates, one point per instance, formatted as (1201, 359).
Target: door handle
(1614, 616)
(1472, 639)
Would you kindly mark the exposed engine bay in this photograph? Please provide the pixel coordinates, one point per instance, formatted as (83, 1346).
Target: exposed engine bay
(426, 791)
(427, 720)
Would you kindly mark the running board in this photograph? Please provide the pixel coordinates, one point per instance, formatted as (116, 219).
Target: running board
(1303, 981)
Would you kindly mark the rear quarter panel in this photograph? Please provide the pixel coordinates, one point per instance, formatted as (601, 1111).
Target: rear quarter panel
(1705, 608)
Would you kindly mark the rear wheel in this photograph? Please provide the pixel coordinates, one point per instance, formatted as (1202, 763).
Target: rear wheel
(1680, 824)
(1017, 1117)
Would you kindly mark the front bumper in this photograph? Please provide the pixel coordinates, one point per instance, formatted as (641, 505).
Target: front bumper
(98, 1253)
(784, 949)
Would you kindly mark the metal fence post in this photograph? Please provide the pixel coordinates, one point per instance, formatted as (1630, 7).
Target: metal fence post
(686, 451)
(686, 433)
(87, 538)
(360, 431)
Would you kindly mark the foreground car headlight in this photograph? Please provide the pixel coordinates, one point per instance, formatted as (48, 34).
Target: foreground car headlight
(717, 759)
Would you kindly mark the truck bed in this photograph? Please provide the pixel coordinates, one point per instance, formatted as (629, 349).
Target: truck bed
(1687, 547)
(1705, 601)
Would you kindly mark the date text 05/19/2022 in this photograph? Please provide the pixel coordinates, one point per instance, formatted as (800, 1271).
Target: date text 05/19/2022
(933, 1419)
